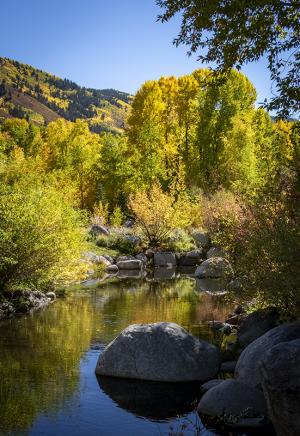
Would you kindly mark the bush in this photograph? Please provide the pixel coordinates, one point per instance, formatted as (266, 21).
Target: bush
(180, 241)
(41, 238)
(117, 217)
(158, 213)
(123, 242)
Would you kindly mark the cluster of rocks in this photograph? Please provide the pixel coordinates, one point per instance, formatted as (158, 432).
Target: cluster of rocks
(22, 301)
(265, 382)
(208, 264)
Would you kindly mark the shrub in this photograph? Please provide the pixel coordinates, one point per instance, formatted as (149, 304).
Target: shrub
(123, 242)
(157, 214)
(180, 241)
(41, 238)
(117, 217)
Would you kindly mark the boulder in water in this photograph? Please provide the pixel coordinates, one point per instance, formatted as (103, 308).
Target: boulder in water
(159, 352)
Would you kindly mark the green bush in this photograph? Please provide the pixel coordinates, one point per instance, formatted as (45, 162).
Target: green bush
(41, 237)
(117, 241)
(180, 241)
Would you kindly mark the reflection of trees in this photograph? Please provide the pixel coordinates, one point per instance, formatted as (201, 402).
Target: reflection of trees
(40, 354)
(39, 362)
(146, 302)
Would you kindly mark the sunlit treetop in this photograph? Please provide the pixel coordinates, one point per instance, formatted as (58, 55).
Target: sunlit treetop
(231, 33)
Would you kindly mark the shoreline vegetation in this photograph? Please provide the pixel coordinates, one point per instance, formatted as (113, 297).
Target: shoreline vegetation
(194, 155)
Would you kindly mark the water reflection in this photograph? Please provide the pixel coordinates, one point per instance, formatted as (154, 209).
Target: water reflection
(153, 400)
(45, 356)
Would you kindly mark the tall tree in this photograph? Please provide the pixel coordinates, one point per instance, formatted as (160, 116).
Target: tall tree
(231, 33)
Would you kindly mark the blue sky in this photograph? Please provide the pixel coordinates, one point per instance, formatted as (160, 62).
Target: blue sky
(101, 44)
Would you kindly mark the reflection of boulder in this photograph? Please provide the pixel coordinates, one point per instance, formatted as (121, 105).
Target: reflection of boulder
(211, 286)
(164, 273)
(154, 400)
(130, 274)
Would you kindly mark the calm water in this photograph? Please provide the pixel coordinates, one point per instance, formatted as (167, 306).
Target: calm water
(47, 361)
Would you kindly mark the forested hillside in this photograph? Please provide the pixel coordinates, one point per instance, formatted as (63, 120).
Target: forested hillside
(37, 96)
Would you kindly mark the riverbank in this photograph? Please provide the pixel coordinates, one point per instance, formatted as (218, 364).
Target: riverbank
(23, 301)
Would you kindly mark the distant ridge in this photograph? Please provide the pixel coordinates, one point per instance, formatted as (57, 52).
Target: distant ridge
(40, 97)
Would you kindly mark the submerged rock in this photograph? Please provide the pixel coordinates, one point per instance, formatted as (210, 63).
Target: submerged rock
(247, 368)
(159, 352)
(280, 372)
(215, 267)
(211, 286)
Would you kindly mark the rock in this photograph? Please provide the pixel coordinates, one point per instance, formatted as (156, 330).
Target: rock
(191, 258)
(228, 366)
(210, 384)
(124, 258)
(159, 352)
(97, 229)
(233, 398)
(109, 258)
(143, 258)
(129, 264)
(280, 376)
(233, 319)
(133, 239)
(92, 257)
(256, 324)
(215, 252)
(51, 296)
(102, 259)
(164, 259)
(215, 267)
(211, 286)
(202, 239)
(112, 268)
(220, 326)
(129, 223)
(247, 368)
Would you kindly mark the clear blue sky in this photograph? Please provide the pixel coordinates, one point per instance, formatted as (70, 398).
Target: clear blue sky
(100, 43)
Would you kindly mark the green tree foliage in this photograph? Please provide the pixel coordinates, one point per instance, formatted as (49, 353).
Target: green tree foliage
(41, 239)
(234, 32)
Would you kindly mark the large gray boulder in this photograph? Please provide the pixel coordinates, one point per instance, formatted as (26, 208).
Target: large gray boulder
(256, 324)
(130, 264)
(191, 258)
(233, 398)
(201, 238)
(215, 267)
(159, 352)
(280, 371)
(164, 259)
(247, 368)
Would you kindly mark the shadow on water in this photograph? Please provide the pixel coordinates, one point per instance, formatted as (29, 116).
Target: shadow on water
(152, 400)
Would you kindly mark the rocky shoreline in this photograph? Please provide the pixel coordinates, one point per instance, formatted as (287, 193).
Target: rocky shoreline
(259, 390)
(23, 301)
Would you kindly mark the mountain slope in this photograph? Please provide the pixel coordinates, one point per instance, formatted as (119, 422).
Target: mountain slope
(27, 92)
